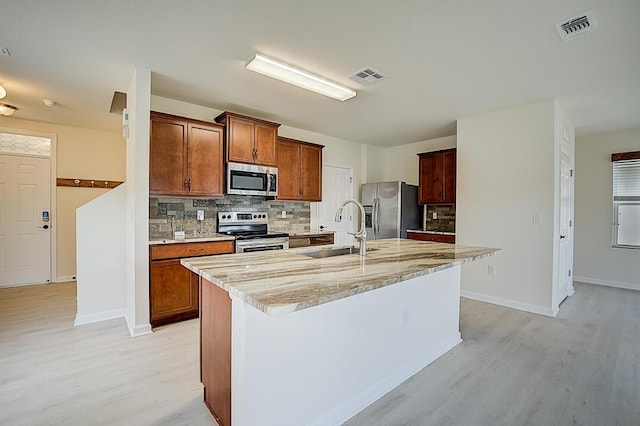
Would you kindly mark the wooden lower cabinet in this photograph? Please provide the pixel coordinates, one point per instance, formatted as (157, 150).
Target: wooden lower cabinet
(439, 238)
(173, 289)
(174, 292)
(215, 351)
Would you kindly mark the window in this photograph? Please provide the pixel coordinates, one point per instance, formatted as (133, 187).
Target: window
(626, 199)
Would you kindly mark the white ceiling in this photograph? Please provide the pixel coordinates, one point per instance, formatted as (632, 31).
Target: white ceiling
(443, 60)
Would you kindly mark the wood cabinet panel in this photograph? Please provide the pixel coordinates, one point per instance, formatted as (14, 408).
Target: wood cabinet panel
(250, 140)
(431, 237)
(311, 172)
(437, 177)
(167, 156)
(185, 157)
(205, 161)
(173, 292)
(299, 170)
(215, 351)
(288, 170)
(173, 289)
(180, 250)
(240, 139)
(266, 144)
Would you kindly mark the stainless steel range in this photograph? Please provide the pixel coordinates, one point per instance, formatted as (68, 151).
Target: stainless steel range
(250, 230)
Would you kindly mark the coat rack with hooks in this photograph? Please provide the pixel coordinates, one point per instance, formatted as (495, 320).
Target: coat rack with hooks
(88, 183)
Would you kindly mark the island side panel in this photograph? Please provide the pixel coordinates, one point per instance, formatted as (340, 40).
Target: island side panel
(215, 350)
(324, 364)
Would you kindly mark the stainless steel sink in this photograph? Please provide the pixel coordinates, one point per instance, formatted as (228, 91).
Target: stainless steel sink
(334, 252)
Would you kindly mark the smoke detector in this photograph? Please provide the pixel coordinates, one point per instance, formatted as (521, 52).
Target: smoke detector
(577, 26)
(367, 76)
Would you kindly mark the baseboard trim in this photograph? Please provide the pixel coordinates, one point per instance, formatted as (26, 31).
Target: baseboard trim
(514, 304)
(98, 316)
(607, 283)
(359, 402)
(137, 330)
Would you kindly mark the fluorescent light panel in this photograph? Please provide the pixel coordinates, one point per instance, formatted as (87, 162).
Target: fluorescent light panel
(292, 75)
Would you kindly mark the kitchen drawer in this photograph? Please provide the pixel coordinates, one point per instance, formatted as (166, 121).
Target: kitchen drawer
(180, 250)
(439, 238)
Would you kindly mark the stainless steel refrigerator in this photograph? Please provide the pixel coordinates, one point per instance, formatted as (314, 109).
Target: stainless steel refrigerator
(390, 209)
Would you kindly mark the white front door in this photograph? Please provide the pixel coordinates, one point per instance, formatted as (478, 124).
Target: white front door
(337, 186)
(25, 227)
(565, 281)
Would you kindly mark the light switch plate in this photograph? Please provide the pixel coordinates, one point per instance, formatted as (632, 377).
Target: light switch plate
(435, 215)
(200, 214)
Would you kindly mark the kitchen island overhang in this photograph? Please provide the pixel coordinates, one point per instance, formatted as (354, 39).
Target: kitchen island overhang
(295, 358)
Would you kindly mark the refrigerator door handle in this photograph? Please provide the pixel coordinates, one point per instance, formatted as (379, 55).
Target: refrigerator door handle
(375, 218)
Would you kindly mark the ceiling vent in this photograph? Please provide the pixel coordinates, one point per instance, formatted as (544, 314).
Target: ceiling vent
(367, 76)
(577, 26)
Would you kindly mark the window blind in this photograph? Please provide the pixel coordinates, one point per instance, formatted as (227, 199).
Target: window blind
(626, 180)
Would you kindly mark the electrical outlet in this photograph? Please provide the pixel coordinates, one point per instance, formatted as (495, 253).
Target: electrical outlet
(283, 214)
(405, 317)
(537, 218)
(435, 215)
(200, 214)
(491, 269)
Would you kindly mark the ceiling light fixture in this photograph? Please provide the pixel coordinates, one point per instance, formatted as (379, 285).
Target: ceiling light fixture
(3, 92)
(292, 75)
(49, 102)
(7, 110)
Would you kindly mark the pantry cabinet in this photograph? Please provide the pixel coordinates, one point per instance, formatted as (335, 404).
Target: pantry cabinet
(299, 170)
(250, 140)
(437, 177)
(185, 157)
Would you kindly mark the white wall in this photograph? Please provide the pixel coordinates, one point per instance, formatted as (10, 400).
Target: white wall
(101, 247)
(137, 205)
(401, 162)
(596, 261)
(505, 173)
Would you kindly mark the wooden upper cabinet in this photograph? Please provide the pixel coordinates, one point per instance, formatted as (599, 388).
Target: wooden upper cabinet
(185, 157)
(166, 155)
(437, 177)
(205, 161)
(250, 140)
(299, 170)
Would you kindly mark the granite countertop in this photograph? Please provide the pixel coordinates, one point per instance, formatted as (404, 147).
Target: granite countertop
(204, 239)
(280, 282)
(420, 231)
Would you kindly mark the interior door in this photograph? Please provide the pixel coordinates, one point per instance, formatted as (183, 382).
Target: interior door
(565, 281)
(25, 227)
(337, 186)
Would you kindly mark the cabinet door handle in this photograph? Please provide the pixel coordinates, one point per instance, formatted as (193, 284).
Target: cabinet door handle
(189, 184)
(195, 250)
(184, 184)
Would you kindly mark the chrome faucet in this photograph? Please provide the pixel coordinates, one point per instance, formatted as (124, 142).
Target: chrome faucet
(361, 235)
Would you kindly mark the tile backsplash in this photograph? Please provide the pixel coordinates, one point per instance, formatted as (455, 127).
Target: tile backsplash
(446, 221)
(179, 214)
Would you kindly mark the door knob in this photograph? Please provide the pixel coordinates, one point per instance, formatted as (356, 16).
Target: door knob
(322, 227)
(563, 236)
(44, 226)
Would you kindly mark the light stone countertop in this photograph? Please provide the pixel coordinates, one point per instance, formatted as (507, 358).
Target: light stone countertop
(280, 282)
(210, 238)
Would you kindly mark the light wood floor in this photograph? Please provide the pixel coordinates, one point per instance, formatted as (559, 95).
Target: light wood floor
(52, 373)
(513, 368)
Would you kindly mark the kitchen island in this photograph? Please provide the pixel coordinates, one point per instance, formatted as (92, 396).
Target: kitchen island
(291, 339)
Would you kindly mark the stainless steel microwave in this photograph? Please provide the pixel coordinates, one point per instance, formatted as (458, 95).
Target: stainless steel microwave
(250, 179)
